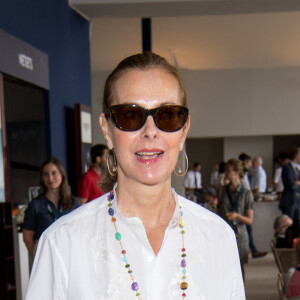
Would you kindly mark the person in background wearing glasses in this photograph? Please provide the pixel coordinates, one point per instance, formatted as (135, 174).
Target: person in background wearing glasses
(141, 240)
(89, 188)
(54, 201)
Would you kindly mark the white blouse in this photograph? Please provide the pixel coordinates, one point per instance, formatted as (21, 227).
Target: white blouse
(79, 258)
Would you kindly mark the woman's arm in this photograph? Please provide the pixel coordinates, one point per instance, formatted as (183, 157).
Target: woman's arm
(247, 219)
(30, 242)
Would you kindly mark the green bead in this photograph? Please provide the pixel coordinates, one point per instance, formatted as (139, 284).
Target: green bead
(109, 204)
(183, 277)
(138, 294)
(182, 232)
(183, 255)
(118, 236)
(127, 265)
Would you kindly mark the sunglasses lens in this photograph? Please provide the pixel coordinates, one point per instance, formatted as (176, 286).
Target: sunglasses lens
(128, 118)
(171, 118)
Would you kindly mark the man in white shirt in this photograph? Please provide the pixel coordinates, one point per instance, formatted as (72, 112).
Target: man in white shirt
(259, 176)
(193, 184)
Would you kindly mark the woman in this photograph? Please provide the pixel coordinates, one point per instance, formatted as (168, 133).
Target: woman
(236, 207)
(132, 243)
(54, 201)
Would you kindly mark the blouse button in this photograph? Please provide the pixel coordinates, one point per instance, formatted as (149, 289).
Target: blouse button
(150, 258)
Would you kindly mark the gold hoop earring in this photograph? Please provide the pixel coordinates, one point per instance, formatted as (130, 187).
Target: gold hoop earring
(114, 171)
(178, 170)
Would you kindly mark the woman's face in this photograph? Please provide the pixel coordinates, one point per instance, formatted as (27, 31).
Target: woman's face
(230, 174)
(52, 178)
(147, 155)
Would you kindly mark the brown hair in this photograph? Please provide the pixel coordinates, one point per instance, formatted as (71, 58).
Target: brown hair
(293, 153)
(141, 61)
(237, 166)
(65, 196)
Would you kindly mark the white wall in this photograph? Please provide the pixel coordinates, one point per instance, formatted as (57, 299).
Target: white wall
(243, 102)
(261, 146)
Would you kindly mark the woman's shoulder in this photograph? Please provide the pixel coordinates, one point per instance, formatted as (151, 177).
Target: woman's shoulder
(80, 217)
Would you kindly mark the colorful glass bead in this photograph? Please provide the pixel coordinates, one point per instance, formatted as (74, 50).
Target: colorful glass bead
(135, 286)
(183, 294)
(125, 259)
(183, 263)
(183, 255)
(184, 285)
(123, 251)
(118, 236)
(113, 219)
(183, 249)
(109, 204)
(111, 211)
(137, 294)
(111, 196)
(127, 265)
(184, 271)
(181, 223)
(182, 232)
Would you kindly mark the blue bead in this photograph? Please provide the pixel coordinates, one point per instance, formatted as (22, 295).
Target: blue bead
(111, 211)
(125, 259)
(181, 213)
(184, 271)
(110, 197)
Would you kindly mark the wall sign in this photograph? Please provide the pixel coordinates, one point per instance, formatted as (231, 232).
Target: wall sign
(23, 61)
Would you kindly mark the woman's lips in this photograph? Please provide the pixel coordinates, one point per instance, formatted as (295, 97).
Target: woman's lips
(149, 156)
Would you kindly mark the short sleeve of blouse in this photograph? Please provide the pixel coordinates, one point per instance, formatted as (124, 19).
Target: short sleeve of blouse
(30, 216)
(249, 200)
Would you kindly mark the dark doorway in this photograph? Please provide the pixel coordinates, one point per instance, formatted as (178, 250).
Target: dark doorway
(26, 136)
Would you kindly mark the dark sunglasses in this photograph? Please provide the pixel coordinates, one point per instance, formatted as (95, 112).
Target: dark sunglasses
(131, 117)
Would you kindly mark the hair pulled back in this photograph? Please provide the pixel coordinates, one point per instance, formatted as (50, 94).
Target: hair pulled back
(140, 61)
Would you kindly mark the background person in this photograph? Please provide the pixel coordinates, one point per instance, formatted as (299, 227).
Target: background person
(259, 177)
(281, 161)
(89, 188)
(54, 201)
(290, 200)
(292, 281)
(193, 183)
(236, 207)
(281, 225)
(247, 164)
(141, 240)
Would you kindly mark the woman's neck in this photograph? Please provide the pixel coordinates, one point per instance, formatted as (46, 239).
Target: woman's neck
(154, 205)
(53, 196)
(234, 184)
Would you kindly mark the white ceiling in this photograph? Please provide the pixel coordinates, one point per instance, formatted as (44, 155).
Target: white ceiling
(224, 34)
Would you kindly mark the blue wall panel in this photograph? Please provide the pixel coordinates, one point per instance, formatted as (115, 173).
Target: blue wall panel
(53, 27)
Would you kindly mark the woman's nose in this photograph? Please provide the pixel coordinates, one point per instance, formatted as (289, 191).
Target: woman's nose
(149, 130)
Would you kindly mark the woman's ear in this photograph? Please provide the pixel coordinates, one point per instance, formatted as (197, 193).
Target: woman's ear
(185, 130)
(105, 130)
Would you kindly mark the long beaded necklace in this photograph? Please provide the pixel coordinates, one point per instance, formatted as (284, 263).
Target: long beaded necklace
(135, 285)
